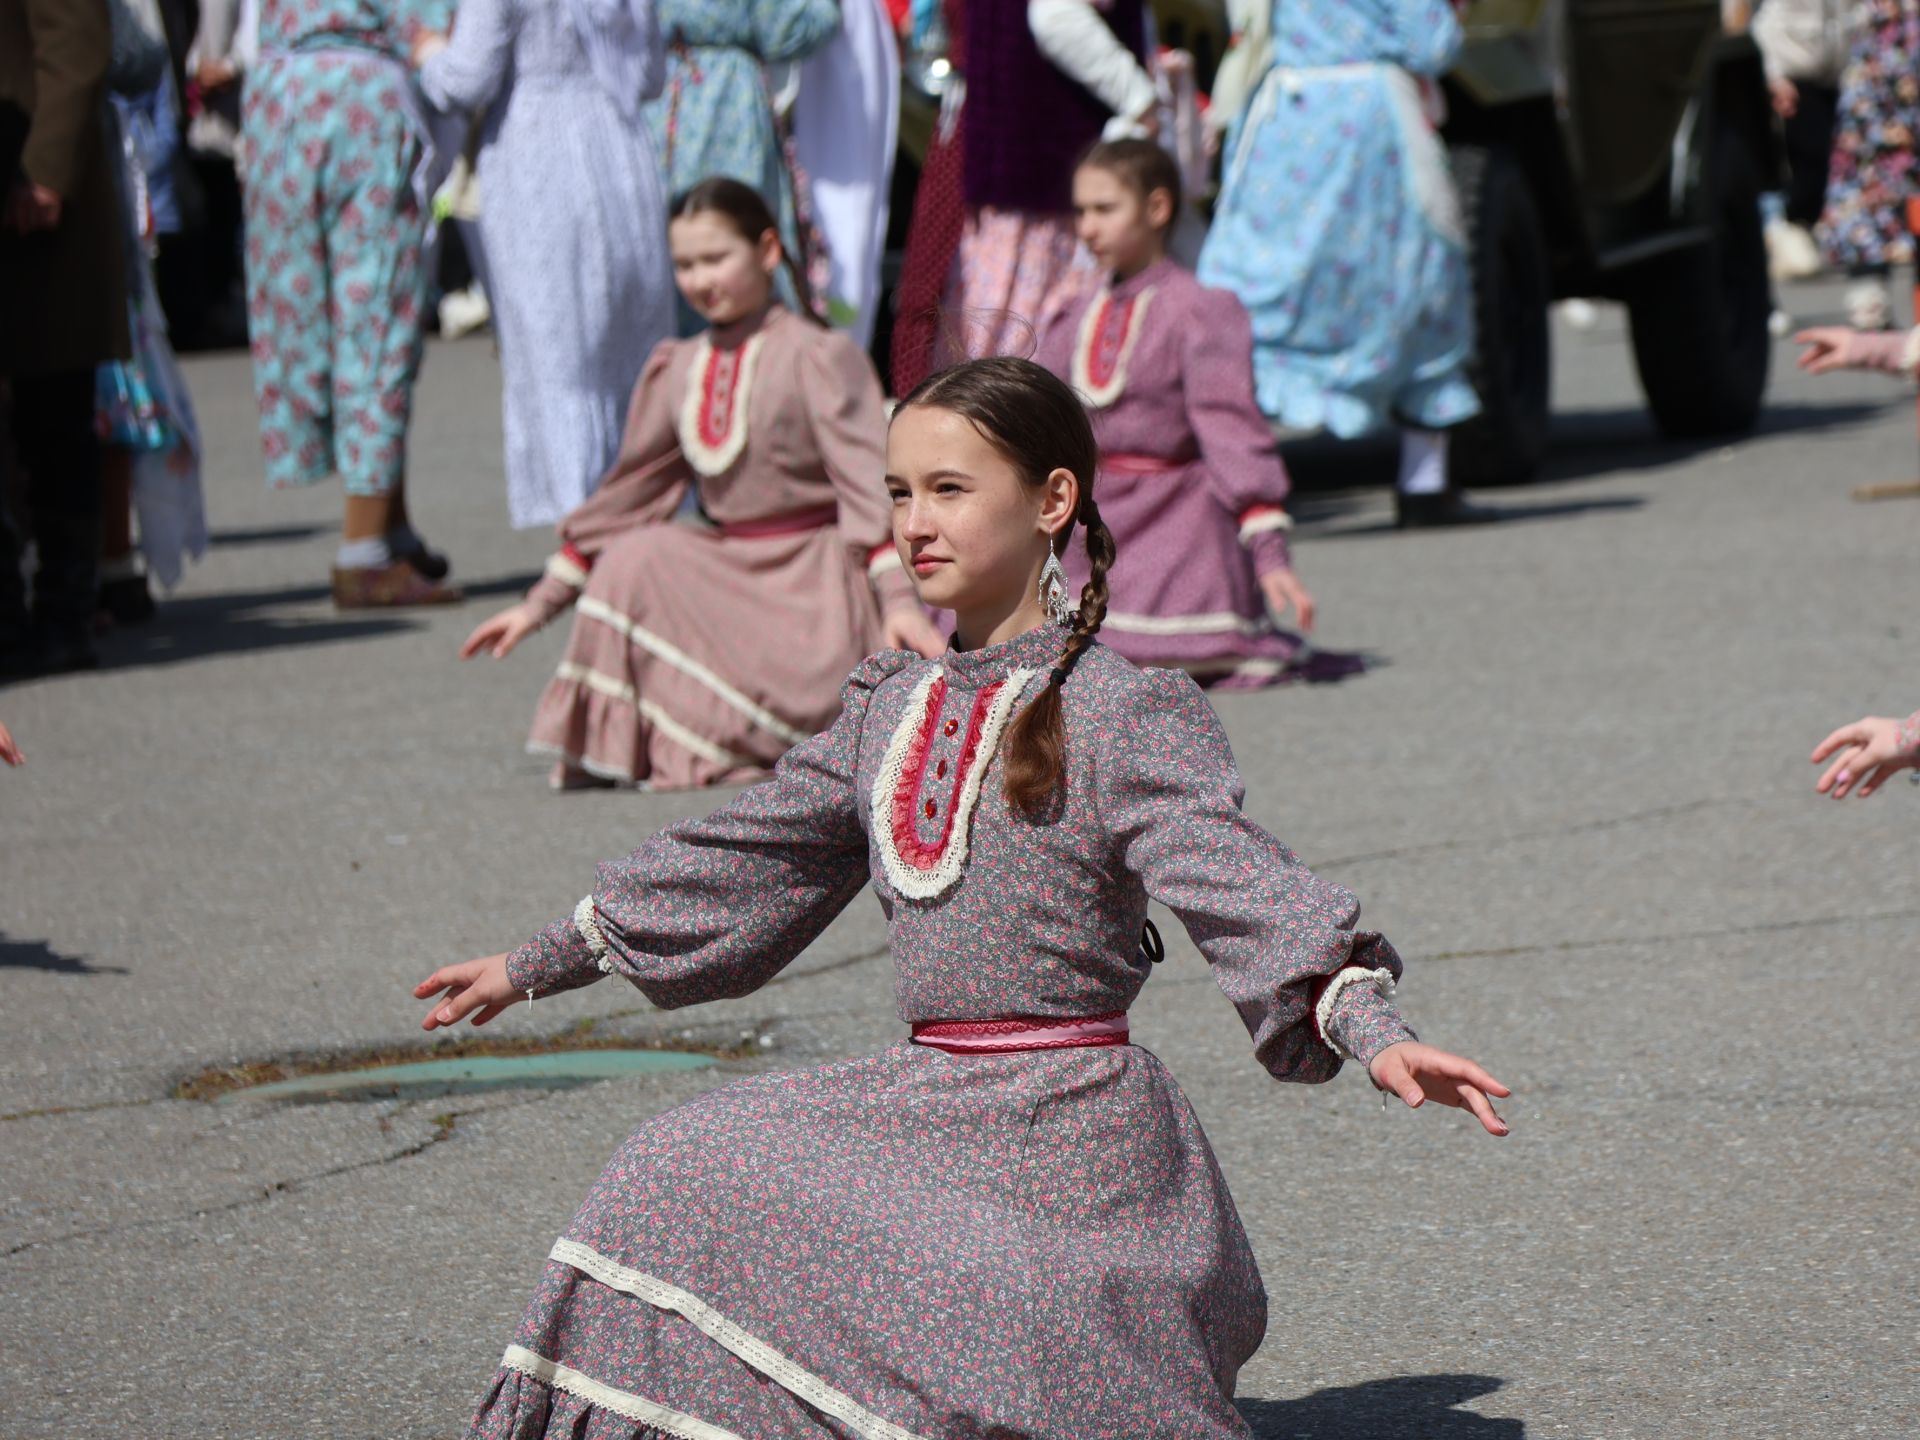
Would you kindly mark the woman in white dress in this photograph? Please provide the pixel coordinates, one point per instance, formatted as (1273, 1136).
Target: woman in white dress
(574, 223)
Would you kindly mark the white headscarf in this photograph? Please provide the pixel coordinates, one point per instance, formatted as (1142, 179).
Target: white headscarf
(622, 41)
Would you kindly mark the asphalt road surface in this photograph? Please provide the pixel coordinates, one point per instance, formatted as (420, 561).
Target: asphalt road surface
(1573, 789)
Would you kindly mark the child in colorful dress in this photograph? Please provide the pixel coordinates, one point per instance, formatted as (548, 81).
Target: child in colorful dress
(700, 655)
(1190, 480)
(1012, 1224)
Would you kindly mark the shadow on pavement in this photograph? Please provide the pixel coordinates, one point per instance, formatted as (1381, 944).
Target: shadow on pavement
(1512, 512)
(194, 627)
(1407, 1406)
(40, 955)
(1585, 444)
(269, 534)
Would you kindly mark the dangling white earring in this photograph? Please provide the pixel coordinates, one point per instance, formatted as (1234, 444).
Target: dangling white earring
(1053, 590)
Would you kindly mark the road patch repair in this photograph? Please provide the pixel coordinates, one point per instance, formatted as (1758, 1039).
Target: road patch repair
(467, 1066)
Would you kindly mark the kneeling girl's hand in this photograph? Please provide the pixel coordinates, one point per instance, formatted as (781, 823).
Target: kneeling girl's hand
(475, 987)
(1418, 1073)
(498, 634)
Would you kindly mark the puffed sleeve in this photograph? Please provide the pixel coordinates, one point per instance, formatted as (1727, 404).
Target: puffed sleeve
(1422, 36)
(715, 908)
(849, 420)
(792, 29)
(1235, 440)
(1275, 933)
(470, 71)
(648, 479)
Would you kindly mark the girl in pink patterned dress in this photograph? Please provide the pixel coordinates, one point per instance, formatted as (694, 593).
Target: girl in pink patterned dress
(700, 654)
(1011, 1224)
(1190, 479)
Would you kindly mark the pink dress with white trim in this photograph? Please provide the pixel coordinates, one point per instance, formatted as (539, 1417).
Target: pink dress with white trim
(701, 652)
(1190, 482)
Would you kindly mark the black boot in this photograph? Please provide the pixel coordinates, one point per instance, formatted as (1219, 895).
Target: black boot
(1442, 507)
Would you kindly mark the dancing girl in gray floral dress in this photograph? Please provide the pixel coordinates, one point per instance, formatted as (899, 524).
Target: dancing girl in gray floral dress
(1011, 1224)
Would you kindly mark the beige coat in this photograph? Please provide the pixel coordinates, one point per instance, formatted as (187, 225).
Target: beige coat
(63, 303)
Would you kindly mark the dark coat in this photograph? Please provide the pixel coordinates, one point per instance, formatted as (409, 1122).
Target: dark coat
(63, 301)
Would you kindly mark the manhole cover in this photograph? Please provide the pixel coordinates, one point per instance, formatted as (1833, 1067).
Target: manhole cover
(473, 1074)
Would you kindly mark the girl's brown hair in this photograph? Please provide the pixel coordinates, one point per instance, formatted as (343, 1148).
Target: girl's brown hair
(743, 207)
(1141, 165)
(1038, 424)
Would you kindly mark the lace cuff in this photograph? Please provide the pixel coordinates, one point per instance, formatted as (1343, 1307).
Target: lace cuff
(1335, 1036)
(587, 922)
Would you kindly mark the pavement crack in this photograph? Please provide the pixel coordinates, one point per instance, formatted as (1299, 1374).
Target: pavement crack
(1720, 932)
(56, 1110)
(444, 1125)
(1552, 832)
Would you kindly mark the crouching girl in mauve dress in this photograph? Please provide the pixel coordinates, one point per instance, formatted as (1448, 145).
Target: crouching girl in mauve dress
(1010, 1224)
(700, 654)
(1190, 480)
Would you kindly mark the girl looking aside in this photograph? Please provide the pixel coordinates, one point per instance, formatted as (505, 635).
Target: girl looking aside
(1011, 1223)
(699, 655)
(1190, 481)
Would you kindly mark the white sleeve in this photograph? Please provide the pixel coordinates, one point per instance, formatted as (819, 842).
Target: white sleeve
(1072, 35)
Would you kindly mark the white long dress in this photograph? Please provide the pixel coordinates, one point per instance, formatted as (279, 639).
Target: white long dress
(573, 219)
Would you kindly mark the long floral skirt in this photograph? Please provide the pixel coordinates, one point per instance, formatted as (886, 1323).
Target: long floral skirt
(903, 1247)
(699, 658)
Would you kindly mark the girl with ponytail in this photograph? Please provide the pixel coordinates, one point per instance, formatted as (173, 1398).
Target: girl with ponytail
(1011, 1223)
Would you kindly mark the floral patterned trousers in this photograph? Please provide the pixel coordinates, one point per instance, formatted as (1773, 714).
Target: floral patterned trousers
(335, 282)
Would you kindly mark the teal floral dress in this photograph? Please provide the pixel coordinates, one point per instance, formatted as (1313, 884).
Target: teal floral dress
(716, 115)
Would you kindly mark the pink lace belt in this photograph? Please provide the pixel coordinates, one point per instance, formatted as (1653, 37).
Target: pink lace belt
(1119, 462)
(1009, 1037)
(793, 522)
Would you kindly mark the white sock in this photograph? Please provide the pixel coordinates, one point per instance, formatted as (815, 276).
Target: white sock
(1423, 461)
(364, 554)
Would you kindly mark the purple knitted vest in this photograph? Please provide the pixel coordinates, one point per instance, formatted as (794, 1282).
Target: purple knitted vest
(1026, 123)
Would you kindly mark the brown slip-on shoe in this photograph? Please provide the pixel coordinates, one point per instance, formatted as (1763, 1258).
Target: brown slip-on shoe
(381, 587)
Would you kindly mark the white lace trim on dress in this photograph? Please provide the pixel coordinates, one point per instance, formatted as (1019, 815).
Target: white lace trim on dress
(1214, 623)
(620, 1402)
(1381, 980)
(908, 880)
(588, 924)
(1100, 391)
(685, 736)
(665, 650)
(729, 1336)
(714, 459)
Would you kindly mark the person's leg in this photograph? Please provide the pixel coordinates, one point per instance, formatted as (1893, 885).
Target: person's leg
(1809, 137)
(123, 587)
(54, 436)
(1424, 495)
(1423, 461)
(377, 289)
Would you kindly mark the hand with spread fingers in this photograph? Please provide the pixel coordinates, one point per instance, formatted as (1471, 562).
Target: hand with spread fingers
(10, 748)
(479, 988)
(1867, 754)
(1418, 1073)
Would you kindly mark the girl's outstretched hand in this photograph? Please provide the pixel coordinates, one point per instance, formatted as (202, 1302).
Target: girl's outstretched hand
(498, 634)
(1868, 753)
(479, 988)
(9, 749)
(1285, 592)
(1418, 1073)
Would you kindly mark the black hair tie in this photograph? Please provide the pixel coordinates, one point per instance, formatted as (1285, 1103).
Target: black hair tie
(1152, 949)
(1059, 675)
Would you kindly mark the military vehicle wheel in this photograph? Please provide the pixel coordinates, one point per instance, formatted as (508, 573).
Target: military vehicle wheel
(1699, 318)
(1512, 364)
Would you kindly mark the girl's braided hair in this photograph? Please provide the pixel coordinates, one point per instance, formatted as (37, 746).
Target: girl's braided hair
(1035, 420)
